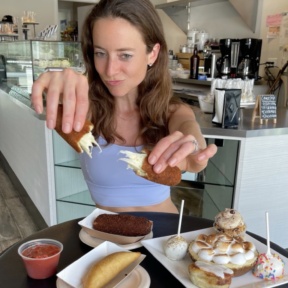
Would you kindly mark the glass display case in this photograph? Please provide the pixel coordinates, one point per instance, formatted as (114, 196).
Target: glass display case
(26, 60)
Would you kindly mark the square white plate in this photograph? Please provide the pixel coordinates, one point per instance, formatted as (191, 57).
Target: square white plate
(179, 269)
(73, 274)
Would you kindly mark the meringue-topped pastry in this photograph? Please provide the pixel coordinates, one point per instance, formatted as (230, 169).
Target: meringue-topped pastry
(230, 222)
(219, 248)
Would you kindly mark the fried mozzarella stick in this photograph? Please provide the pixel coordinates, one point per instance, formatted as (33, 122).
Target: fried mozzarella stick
(80, 141)
(138, 162)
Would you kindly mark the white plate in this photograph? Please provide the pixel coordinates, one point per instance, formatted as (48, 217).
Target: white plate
(94, 242)
(138, 278)
(179, 269)
(71, 276)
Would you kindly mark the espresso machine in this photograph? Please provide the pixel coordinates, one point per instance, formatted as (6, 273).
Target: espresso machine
(249, 58)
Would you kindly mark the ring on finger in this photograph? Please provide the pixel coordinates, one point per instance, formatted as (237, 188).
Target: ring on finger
(196, 146)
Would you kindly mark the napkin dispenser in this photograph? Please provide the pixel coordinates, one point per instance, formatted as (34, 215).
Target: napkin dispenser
(226, 107)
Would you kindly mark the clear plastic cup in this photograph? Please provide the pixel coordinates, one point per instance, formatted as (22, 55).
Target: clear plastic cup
(41, 257)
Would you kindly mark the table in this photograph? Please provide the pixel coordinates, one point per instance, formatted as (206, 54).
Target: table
(13, 274)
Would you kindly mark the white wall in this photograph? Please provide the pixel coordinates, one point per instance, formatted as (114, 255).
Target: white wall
(220, 20)
(270, 47)
(82, 12)
(26, 144)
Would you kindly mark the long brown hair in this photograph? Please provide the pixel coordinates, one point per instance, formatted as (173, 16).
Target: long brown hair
(155, 91)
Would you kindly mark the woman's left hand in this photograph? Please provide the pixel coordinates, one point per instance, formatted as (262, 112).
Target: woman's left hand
(180, 150)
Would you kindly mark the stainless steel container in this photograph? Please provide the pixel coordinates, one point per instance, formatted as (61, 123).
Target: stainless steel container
(210, 64)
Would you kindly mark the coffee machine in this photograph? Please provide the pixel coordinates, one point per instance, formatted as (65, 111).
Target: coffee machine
(239, 58)
(250, 52)
(223, 63)
(227, 64)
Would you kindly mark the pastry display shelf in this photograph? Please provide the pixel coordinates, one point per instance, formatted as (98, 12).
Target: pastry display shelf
(212, 176)
(82, 198)
(70, 164)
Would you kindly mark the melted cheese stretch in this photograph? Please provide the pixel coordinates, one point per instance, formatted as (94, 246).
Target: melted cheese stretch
(135, 161)
(86, 143)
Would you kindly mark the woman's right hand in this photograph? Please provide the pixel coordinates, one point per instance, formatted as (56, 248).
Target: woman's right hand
(67, 87)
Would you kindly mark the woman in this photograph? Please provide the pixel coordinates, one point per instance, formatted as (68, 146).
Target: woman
(130, 105)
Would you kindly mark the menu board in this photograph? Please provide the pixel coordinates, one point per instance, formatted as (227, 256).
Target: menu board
(266, 108)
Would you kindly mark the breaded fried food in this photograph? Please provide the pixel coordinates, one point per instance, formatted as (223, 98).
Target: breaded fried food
(80, 141)
(122, 224)
(138, 162)
(109, 267)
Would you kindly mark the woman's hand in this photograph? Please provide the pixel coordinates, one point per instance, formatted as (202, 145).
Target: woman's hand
(67, 87)
(178, 149)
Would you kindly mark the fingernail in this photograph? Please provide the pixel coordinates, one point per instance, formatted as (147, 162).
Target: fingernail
(50, 124)
(38, 109)
(67, 128)
(157, 168)
(152, 160)
(172, 162)
(77, 126)
(201, 157)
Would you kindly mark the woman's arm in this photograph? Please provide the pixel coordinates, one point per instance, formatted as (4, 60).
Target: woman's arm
(176, 148)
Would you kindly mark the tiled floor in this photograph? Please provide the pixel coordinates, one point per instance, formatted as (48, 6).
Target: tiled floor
(15, 221)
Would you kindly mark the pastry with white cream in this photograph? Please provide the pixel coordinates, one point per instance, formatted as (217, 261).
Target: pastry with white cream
(207, 275)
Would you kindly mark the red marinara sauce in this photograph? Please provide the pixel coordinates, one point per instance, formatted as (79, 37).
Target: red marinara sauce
(41, 251)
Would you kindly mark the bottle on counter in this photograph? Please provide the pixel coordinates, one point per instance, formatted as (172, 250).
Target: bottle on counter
(194, 64)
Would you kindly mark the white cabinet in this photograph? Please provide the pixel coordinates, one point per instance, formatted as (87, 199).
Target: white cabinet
(73, 199)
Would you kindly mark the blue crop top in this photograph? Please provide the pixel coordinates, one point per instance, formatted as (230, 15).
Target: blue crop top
(112, 184)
